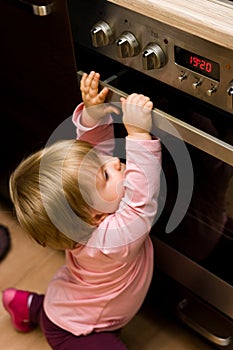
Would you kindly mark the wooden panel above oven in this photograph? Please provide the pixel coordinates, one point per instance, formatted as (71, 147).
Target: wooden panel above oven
(207, 19)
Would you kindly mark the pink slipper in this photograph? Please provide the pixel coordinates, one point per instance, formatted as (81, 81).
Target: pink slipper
(15, 302)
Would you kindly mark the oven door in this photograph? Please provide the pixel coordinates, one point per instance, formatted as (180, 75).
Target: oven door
(193, 231)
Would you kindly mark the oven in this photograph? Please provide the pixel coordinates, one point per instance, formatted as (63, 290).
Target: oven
(190, 81)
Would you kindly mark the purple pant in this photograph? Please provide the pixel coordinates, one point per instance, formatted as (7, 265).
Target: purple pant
(59, 339)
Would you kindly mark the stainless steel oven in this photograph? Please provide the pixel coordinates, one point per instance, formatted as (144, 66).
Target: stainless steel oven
(190, 81)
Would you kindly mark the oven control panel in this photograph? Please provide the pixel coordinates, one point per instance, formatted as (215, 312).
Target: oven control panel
(179, 59)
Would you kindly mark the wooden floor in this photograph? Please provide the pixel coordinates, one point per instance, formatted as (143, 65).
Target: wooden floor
(29, 266)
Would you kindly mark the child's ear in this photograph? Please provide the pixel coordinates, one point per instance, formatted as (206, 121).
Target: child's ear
(98, 217)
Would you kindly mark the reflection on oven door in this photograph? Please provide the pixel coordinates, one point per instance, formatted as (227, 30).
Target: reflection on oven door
(205, 234)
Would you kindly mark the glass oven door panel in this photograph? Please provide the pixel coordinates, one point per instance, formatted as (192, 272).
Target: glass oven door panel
(205, 233)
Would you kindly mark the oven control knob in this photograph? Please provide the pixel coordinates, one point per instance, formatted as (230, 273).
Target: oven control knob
(127, 45)
(230, 89)
(196, 84)
(211, 91)
(153, 57)
(101, 34)
(182, 76)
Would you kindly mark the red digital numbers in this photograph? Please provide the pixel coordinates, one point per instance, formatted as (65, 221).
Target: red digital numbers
(197, 63)
(200, 63)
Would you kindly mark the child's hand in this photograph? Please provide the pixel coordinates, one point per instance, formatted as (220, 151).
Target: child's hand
(89, 89)
(137, 116)
(95, 109)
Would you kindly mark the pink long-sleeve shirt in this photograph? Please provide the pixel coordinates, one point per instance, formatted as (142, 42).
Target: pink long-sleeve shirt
(104, 283)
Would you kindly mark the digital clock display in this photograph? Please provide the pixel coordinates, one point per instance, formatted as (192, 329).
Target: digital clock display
(197, 63)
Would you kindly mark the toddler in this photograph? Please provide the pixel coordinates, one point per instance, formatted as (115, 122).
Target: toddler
(75, 196)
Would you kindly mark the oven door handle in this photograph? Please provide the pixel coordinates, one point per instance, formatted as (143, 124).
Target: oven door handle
(37, 7)
(194, 136)
(178, 128)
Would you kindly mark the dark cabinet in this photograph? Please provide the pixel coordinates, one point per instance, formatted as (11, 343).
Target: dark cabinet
(38, 80)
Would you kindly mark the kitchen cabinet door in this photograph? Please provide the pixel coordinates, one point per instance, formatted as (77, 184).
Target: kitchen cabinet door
(38, 81)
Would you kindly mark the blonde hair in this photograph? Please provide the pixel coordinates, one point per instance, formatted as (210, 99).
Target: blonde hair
(51, 192)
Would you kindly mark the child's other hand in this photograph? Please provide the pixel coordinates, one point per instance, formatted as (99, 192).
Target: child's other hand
(137, 116)
(89, 89)
(94, 100)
